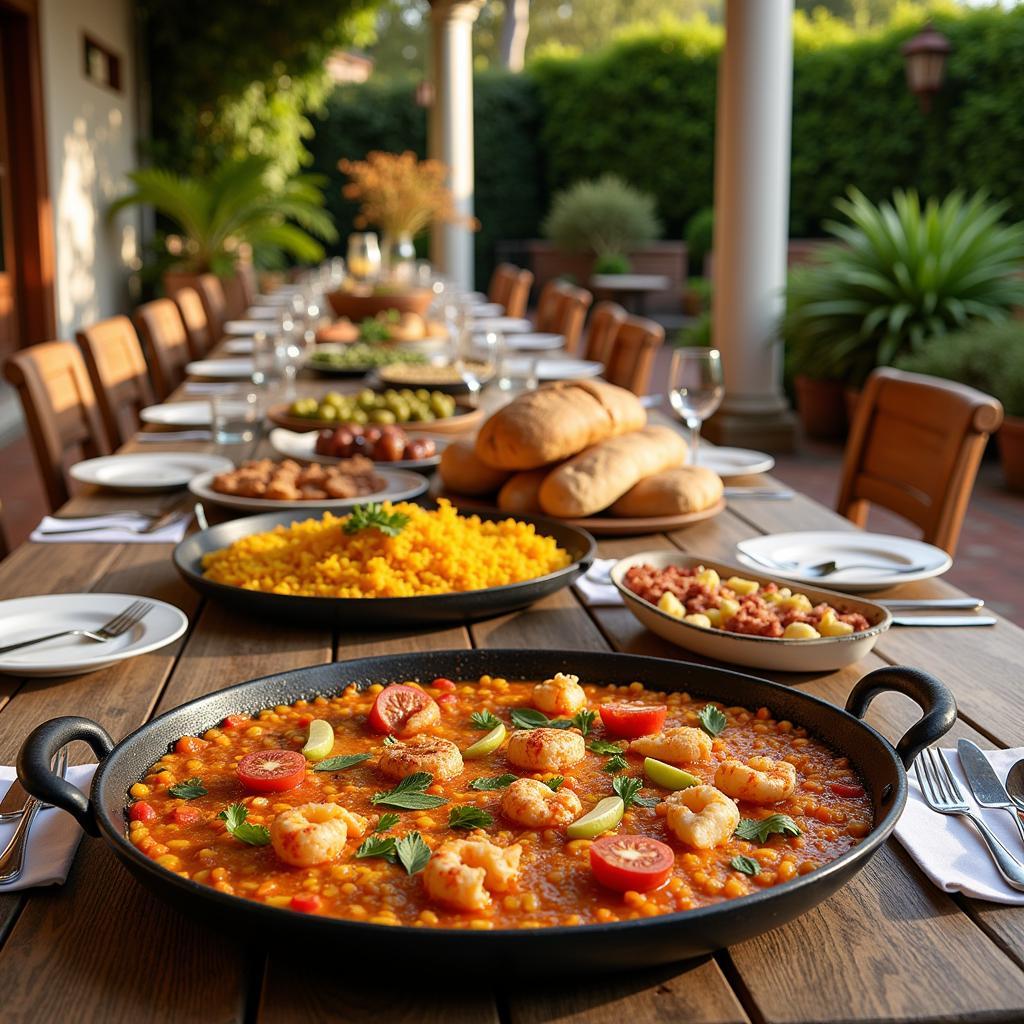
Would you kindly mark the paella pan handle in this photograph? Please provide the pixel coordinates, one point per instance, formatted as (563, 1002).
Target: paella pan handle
(42, 782)
(923, 689)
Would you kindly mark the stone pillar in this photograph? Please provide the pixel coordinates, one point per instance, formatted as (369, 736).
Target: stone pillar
(752, 145)
(450, 134)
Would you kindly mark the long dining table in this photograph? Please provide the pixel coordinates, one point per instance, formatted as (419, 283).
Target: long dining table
(888, 947)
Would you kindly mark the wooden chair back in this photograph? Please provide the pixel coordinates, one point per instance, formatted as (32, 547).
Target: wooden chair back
(215, 304)
(164, 340)
(197, 327)
(239, 291)
(914, 448)
(119, 375)
(516, 291)
(605, 321)
(60, 410)
(634, 348)
(503, 279)
(562, 309)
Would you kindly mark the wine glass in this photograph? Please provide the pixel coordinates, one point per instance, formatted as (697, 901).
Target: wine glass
(364, 256)
(695, 388)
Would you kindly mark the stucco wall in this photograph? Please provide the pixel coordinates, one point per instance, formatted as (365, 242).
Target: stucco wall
(90, 145)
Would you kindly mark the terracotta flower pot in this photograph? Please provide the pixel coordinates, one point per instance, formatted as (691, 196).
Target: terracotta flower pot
(820, 406)
(1011, 451)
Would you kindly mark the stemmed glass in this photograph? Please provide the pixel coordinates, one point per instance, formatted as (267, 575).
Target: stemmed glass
(695, 388)
(484, 349)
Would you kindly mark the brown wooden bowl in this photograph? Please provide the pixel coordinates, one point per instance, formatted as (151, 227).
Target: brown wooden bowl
(466, 418)
(362, 307)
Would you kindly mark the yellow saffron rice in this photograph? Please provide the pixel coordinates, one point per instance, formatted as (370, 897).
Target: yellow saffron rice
(438, 552)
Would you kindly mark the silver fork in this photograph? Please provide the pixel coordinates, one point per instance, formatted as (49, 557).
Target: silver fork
(942, 794)
(827, 568)
(120, 623)
(12, 859)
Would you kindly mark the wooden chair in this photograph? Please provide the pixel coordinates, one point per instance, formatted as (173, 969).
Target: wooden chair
(60, 410)
(215, 304)
(604, 323)
(239, 291)
(562, 309)
(164, 339)
(119, 375)
(914, 448)
(510, 287)
(197, 327)
(631, 359)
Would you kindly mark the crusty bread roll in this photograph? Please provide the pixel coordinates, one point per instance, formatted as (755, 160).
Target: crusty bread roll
(557, 421)
(520, 491)
(463, 473)
(604, 472)
(672, 492)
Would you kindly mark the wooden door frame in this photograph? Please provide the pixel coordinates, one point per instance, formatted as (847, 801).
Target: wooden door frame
(33, 214)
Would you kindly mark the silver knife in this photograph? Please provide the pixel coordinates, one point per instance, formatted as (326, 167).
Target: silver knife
(943, 620)
(985, 784)
(960, 604)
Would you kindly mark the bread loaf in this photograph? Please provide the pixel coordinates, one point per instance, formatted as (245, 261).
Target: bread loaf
(672, 492)
(598, 476)
(555, 422)
(463, 473)
(520, 491)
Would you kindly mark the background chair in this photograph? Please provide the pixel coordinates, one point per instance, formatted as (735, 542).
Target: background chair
(197, 327)
(562, 309)
(914, 448)
(510, 287)
(164, 340)
(631, 358)
(215, 304)
(605, 321)
(119, 375)
(60, 410)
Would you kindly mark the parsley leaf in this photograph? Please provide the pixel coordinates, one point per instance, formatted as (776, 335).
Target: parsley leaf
(389, 741)
(554, 783)
(339, 764)
(374, 846)
(234, 816)
(387, 821)
(712, 721)
(413, 853)
(745, 865)
(758, 830)
(530, 718)
(373, 515)
(469, 817)
(492, 782)
(628, 789)
(409, 794)
(603, 747)
(189, 789)
(616, 763)
(583, 720)
(484, 720)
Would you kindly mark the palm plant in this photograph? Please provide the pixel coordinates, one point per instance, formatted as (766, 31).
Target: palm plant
(239, 205)
(905, 274)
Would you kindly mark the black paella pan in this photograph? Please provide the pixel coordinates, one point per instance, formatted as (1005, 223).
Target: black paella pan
(616, 945)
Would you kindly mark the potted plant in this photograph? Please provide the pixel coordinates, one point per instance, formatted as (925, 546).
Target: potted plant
(699, 236)
(697, 296)
(900, 275)
(989, 357)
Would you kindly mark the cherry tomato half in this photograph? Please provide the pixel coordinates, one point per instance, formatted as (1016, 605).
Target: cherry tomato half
(141, 811)
(443, 684)
(632, 720)
(270, 771)
(308, 903)
(843, 789)
(395, 705)
(630, 862)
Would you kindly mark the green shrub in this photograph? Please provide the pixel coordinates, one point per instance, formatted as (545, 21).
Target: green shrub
(904, 274)
(695, 335)
(606, 217)
(699, 235)
(612, 264)
(989, 357)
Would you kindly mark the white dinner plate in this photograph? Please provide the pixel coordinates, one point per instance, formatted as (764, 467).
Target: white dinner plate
(399, 485)
(238, 346)
(222, 369)
(27, 617)
(534, 342)
(303, 448)
(262, 313)
(144, 471)
(178, 414)
(479, 310)
(728, 462)
(503, 324)
(245, 327)
(277, 298)
(554, 369)
(845, 547)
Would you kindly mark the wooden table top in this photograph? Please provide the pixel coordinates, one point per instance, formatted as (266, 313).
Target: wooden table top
(888, 947)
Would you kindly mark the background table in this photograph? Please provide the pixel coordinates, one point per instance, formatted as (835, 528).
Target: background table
(888, 947)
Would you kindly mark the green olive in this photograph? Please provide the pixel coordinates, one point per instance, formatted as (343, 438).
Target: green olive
(382, 416)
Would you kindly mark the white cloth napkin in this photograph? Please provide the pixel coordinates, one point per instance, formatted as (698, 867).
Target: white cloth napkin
(596, 588)
(949, 850)
(116, 530)
(53, 838)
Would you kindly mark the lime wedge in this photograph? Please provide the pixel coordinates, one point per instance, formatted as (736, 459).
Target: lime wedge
(320, 742)
(487, 744)
(667, 775)
(606, 815)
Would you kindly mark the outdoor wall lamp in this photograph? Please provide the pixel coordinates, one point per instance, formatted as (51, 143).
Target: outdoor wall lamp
(925, 57)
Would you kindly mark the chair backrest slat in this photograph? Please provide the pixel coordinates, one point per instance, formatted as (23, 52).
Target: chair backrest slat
(193, 315)
(634, 347)
(605, 321)
(562, 309)
(215, 304)
(164, 339)
(510, 287)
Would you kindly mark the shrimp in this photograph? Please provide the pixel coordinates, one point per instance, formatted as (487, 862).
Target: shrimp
(561, 695)
(440, 757)
(681, 745)
(702, 816)
(545, 750)
(313, 833)
(533, 804)
(760, 781)
(462, 871)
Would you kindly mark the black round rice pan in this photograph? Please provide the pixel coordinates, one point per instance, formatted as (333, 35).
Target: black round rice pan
(379, 611)
(617, 945)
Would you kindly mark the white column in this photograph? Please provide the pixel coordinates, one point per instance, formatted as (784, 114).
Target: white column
(752, 147)
(450, 136)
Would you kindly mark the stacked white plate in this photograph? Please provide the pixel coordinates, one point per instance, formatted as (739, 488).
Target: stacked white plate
(157, 471)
